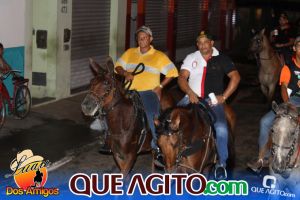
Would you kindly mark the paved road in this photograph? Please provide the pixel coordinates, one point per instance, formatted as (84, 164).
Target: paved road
(58, 132)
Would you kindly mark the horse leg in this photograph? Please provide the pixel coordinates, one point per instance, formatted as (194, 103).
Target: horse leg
(264, 90)
(271, 92)
(125, 162)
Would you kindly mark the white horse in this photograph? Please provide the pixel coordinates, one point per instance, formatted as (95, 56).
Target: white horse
(285, 165)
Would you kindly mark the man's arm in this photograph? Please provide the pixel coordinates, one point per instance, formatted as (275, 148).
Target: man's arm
(184, 86)
(235, 78)
(288, 44)
(4, 66)
(159, 88)
(284, 92)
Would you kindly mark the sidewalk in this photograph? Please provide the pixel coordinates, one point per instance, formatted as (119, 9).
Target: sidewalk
(68, 108)
(54, 130)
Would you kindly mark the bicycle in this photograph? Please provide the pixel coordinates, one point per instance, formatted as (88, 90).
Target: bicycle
(20, 103)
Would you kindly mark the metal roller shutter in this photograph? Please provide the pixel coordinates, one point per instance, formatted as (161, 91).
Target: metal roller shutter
(188, 22)
(156, 17)
(90, 38)
(214, 18)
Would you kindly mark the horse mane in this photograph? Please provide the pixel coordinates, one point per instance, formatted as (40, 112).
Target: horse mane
(193, 110)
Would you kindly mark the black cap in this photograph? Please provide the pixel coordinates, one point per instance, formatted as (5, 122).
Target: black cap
(205, 34)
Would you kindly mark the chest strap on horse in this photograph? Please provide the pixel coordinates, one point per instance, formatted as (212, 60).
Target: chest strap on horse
(192, 148)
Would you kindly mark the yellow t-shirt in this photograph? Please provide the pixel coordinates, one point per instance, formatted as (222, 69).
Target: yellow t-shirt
(155, 63)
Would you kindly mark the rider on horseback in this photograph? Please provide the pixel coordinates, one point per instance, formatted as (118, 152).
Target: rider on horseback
(290, 92)
(202, 73)
(283, 38)
(147, 83)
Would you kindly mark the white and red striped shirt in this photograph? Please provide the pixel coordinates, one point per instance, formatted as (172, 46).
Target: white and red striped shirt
(196, 65)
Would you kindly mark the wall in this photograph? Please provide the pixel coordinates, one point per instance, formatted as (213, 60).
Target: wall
(51, 65)
(117, 28)
(13, 34)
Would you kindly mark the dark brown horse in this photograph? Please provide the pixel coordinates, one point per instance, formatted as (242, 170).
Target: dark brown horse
(186, 139)
(269, 63)
(128, 129)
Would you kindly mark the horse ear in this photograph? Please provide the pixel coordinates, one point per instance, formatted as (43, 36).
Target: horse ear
(275, 106)
(110, 65)
(253, 31)
(262, 32)
(96, 68)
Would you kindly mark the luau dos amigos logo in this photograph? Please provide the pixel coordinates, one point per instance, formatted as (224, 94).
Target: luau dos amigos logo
(30, 175)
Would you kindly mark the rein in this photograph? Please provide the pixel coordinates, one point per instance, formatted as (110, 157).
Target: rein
(113, 89)
(185, 150)
(292, 147)
(182, 151)
(134, 73)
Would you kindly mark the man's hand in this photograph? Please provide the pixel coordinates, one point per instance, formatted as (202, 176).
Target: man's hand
(221, 99)
(193, 97)
(128, 76)
(157, 91)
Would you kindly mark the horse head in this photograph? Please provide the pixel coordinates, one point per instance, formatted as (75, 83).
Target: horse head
(285, 137)
(169, 137)
(183, 134)
(257, 43)
(102, 88)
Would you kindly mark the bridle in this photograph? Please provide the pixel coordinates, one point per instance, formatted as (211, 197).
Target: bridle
(292, 149)
(183, 148)
(112, 88)
(101, 98)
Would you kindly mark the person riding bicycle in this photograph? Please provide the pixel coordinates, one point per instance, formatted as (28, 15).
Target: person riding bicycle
(290, 92)
(147, 83)
(4, 67)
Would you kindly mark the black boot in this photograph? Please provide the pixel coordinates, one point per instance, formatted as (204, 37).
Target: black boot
(158, 158)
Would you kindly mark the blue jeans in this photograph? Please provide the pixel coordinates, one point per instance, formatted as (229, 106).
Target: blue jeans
(221, 128)
(266, 123)
(151, 106)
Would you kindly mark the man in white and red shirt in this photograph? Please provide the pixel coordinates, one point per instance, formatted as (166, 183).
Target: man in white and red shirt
(202, 73)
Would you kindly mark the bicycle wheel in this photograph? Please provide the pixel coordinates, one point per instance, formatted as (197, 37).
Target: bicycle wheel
(2, 111)
(22, 101)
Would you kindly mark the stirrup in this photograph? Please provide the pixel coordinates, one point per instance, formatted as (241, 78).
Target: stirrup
(225, 173)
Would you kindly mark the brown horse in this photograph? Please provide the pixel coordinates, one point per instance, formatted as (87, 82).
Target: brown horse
(269, 63)
(186, 139)
(129, 133)
(128, 129)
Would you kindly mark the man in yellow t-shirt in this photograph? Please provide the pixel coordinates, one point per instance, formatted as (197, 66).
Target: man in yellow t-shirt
(147, 83)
